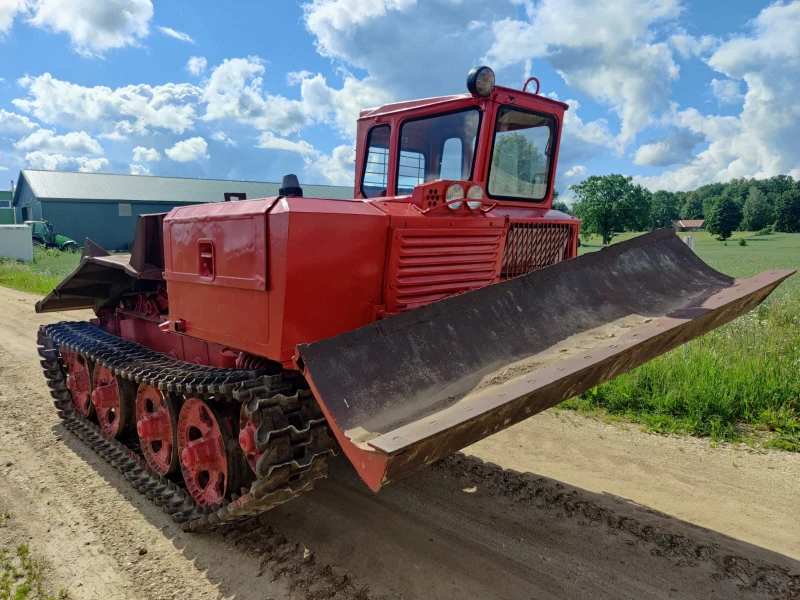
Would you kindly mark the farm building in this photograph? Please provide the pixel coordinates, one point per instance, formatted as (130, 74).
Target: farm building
(104, 207)
(690, 224)
(5, 198)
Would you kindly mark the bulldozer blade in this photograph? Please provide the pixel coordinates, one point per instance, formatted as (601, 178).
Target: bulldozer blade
(410, 389)
(101, 278)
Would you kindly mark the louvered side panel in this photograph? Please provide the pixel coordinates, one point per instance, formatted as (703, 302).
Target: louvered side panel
(426, 265)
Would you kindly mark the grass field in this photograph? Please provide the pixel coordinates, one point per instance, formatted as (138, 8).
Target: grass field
(48, 268)
(739, 382)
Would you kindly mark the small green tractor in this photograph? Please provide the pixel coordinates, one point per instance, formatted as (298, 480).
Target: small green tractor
(45, 235)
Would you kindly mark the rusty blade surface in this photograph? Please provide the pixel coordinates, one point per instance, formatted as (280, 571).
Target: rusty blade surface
(410, 389)
(102, 277)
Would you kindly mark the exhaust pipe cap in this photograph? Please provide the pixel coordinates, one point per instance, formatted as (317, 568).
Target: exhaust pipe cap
(290, 186)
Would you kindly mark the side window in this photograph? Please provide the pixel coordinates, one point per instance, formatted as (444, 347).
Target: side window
(376, 165)
(452, 159)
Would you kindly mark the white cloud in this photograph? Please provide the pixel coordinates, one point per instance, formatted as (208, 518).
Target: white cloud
(221, 136)
(270, 141)
(95, 27)
(178, 35)
(340, 107)
(8, 10)
(359, 32)
(296, 77)
(2, 168)
(142, 154)
(689, 46)
(576, 171)
(674, 148)
(604, 49)
(762, 140)
(130, 109)
(15, 124)
(78, 142)
(726, 91)
(188, 150)
(338, 168)
(139, 170)
(59, 162)
(114, 136)
(196, 65)
(234, 91)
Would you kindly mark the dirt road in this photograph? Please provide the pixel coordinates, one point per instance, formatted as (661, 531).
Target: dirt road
(571, 508)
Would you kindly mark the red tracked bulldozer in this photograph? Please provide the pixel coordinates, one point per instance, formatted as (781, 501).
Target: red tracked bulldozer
(241, 344)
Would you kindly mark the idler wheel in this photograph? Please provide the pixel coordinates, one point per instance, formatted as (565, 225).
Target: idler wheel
(79, 383)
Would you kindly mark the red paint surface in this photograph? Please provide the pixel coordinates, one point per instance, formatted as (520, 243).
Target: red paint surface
(79, 383)
(202, 453)
(155, 424)
(105, 397)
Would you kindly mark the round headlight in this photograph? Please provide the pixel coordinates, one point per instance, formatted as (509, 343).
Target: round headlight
(475, 193)
(454, 192)
(480, 81)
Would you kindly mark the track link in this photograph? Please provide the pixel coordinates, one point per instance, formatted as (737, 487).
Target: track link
(295, 449)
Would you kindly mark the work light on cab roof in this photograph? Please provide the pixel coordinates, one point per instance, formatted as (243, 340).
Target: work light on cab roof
(480, 81)
(249, 341)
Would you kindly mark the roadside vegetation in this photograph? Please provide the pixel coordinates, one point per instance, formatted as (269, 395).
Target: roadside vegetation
(737, 383)
(21, 575)
(48, 268)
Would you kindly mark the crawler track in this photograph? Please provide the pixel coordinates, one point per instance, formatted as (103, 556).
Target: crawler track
(299, 448)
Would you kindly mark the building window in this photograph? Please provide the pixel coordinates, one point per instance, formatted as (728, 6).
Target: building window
(124, 210)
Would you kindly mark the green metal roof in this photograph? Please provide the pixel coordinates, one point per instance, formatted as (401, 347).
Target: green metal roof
(6, 195)
(65, 185)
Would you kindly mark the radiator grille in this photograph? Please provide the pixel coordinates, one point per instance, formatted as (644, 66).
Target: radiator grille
(532, 246)
(433, 264)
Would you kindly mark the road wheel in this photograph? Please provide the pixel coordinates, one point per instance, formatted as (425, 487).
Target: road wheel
(156, 424)
(212, 464)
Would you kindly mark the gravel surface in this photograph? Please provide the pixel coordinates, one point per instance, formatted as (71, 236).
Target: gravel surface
(555, 507)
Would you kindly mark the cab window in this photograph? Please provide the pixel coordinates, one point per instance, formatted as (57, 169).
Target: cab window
(376, 166)
(437, 147)
(521, 155)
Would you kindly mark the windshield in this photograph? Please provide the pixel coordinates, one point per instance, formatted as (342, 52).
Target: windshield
(437, 147)
(521, 155)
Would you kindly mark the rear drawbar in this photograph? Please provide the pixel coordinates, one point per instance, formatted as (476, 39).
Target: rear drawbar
(410, 389)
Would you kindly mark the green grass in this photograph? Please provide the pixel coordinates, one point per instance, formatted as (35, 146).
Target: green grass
(48, 268)
(21, 577)
(739, 382)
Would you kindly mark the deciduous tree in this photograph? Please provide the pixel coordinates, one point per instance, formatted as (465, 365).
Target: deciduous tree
(757, 212)
(665, 209)
(724, 216)
(788, 210)
(611, 204)
(693, 207)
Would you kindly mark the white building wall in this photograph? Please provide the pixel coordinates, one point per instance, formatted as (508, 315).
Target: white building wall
(16, 242)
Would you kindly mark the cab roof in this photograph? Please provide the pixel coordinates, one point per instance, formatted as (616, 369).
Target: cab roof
(443, 100)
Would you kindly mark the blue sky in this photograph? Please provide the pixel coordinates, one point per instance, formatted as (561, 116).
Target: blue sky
(674, 93)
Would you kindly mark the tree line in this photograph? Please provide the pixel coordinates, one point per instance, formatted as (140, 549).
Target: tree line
(610, 204)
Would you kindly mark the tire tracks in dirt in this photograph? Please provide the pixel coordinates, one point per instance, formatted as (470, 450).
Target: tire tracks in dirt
(463, 528)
